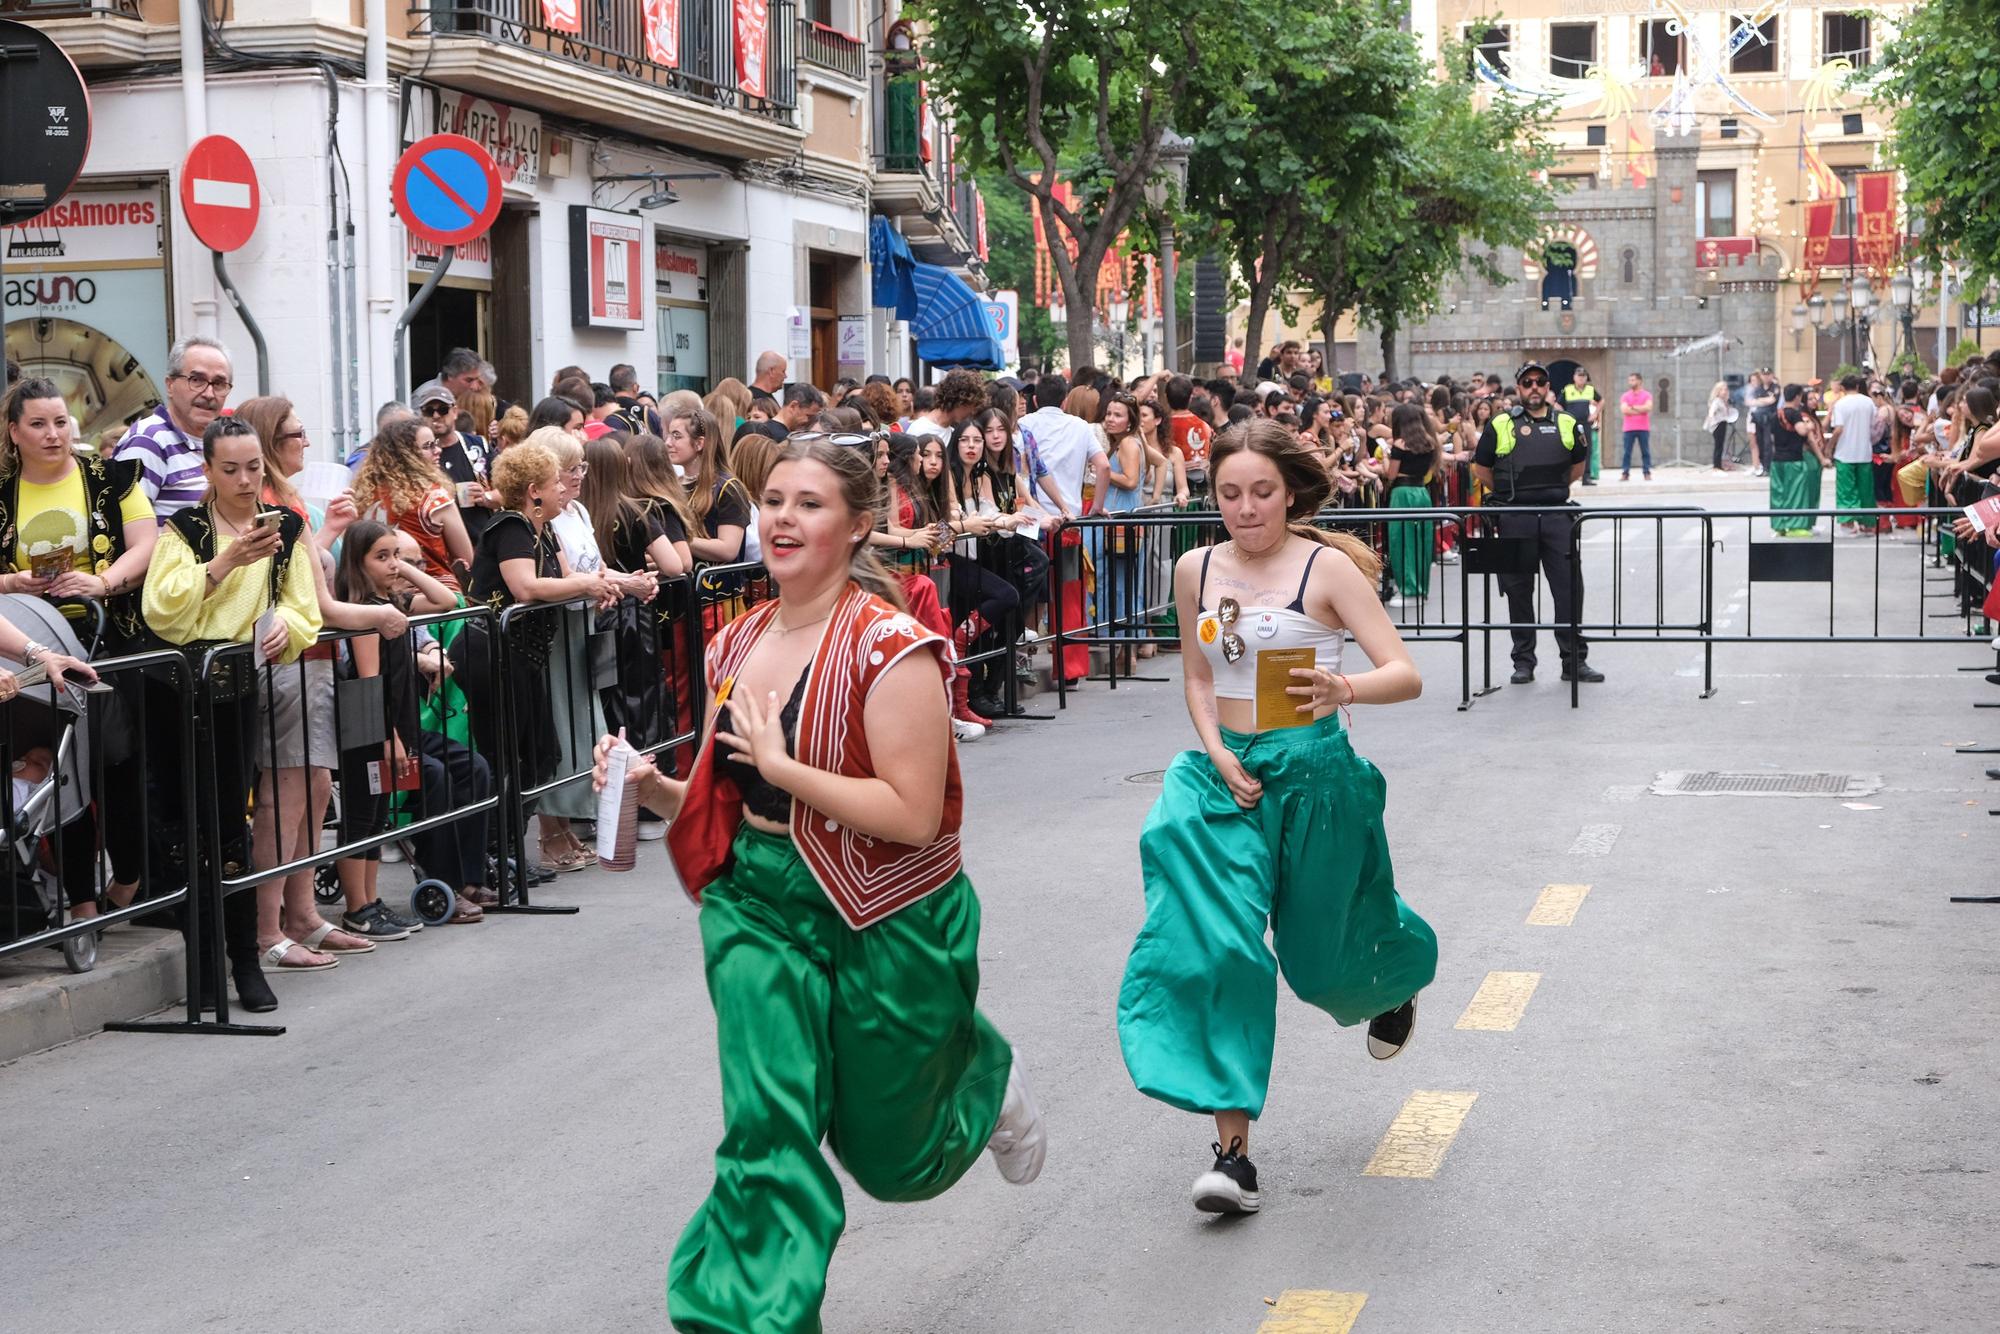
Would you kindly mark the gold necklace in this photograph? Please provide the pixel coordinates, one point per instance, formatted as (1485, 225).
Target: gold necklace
(784, 629)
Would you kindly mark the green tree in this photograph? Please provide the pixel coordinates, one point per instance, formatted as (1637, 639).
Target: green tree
(1010, 242)
(1294, 147)
(1942, 74)
(1050, 93)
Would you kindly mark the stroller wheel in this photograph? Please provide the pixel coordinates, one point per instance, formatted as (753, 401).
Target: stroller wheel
(433, 902)
(80, 952)
(326, 886)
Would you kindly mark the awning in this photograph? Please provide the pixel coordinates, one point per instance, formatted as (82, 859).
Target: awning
(889, 255)
(951, 323)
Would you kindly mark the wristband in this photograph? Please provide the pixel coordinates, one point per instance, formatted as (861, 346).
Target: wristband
(33, 653)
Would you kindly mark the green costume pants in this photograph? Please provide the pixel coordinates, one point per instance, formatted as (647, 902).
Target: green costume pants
(1853, 489)
(1794, 486)
(867, 1039)
(1198, 1009)
(1590, 448)
(1412, 542)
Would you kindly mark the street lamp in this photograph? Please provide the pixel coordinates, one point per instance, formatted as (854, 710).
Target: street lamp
(1171, 171)
(1903, 296)
(1816, 310)
(1798, 323)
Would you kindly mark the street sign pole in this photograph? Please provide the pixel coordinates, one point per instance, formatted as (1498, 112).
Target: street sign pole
(249, 323)
(36, 77)
(423, 294)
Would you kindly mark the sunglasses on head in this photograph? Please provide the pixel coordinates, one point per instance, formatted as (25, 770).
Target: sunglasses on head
(848, 439)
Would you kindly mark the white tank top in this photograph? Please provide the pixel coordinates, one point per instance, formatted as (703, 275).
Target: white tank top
(1261, 628)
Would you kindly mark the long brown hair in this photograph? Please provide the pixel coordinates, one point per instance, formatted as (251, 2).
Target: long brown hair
(396, 471)
(855, 469)
(649, 473)
(266, 414)
(12, 405)
(1303, 474)
(607, 494)
(709, 467)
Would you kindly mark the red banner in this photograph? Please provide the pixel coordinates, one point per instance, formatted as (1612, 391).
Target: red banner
(563, 15)
(753, 32)
(663, 32)
(1819, 231)
(1877, 236)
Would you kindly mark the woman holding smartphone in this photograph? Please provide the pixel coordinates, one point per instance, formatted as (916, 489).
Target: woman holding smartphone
(1275, 822)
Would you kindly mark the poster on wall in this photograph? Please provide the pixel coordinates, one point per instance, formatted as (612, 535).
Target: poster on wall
(853, 345)
(753, 27)
(512, 135)
(606, 259)
(85, 291)
(663, 32)
(683, 349)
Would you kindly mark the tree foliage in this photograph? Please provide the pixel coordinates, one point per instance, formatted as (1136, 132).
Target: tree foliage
(1010, 240)
(1942, 74)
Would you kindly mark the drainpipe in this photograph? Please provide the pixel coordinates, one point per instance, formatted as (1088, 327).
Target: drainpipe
(197, 282)
(383, 264)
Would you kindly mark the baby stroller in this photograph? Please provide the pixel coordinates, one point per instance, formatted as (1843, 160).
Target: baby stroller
(42, 718)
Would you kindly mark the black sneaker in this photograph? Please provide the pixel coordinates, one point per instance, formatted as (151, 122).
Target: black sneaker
(398, 920)
(1523, 676)
(372, 923)
(1230, 1187)
(1389, 1033)
(1584, 672)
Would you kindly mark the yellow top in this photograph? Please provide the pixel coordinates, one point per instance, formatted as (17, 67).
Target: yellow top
(54, 514)
(182, 607)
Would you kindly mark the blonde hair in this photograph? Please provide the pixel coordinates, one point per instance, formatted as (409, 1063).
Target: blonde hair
(511, 428)
(396, 473)
(1082, 402)
(479, 405)
(855, 470)
(567, 449)
(752, 459)
(729, 400)
(526, 465)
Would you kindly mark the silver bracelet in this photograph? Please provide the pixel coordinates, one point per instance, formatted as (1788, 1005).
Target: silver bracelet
(32, 654)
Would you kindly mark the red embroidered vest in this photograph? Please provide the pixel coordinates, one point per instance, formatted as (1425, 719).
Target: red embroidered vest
(866, 878)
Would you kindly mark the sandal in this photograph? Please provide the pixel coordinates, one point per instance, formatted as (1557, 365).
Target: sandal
(464, 912)
(579, 859)
(480, 896)
(321, 936)
(274, 958)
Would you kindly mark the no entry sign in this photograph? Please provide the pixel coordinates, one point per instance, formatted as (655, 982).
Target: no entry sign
(46, 111)
(219, 193)
(446, 189)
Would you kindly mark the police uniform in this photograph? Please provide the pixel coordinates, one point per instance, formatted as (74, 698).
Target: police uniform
(1576, 401)
(1531, 459)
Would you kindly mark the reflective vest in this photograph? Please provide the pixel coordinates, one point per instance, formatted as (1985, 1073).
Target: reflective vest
(1584, 394)
(1503, 432)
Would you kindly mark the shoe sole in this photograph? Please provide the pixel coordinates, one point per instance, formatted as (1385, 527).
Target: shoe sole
(375, 936)
(1216, 1193)
(1396, 1050)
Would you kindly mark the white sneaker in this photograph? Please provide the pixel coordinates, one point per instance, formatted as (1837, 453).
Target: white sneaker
(391, 853)
(1020, 1141)
(965, 731)
(650, 830)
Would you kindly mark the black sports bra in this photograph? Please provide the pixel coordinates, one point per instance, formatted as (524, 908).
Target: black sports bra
(759, 797)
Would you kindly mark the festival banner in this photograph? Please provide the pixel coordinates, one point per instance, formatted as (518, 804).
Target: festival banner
(1637, 166)
(1877, 236)
(753, 30)
(1819, 233)
(663, 32)
(1824, 178)
(563, 15)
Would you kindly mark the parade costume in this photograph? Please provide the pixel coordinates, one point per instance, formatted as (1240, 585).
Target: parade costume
(844, 973)
(1197, 1010)
(1795, 474)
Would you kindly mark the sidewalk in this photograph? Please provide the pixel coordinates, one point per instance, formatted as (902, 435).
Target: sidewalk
(42, 1004)
(1671, 480)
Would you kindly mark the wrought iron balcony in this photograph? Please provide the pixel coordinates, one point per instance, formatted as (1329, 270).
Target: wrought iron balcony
(612, 37)
(830, 48)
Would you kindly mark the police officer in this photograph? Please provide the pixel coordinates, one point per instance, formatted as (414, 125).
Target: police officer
(1581, 400)
(1530, 456)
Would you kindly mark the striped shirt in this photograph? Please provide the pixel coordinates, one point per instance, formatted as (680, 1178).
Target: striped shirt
(169, 463)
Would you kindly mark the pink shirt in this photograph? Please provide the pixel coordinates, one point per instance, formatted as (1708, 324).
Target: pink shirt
(1638, 405)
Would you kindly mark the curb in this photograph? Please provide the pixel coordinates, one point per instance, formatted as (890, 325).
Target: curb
(42, 1004)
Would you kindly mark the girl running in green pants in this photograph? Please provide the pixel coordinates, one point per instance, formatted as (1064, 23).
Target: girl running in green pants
(1275, 822)
(819, 831)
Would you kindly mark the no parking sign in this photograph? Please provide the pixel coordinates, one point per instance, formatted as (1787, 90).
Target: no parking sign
(446, 189)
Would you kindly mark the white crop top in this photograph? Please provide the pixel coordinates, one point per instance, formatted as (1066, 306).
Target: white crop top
(1261, 628)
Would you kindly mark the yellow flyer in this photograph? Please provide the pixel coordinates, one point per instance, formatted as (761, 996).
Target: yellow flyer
(1275, 708)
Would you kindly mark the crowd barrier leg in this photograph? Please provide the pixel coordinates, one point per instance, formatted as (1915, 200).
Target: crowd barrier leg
(513, 812)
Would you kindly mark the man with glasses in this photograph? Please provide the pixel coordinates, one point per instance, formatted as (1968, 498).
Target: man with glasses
(166, 443)
(1531, 455)
(463, 456)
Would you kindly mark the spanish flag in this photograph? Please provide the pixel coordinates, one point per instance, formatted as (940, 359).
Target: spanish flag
(1636, 164)
(1823, 177)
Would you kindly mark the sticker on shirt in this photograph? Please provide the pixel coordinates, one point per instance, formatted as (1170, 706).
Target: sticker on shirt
(1267, 625)
(1208, 629)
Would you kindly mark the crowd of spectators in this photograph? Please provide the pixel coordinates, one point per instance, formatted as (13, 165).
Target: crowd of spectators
(585, 505)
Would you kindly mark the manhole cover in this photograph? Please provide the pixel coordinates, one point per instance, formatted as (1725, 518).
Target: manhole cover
(1150, 778)
(1722, 783)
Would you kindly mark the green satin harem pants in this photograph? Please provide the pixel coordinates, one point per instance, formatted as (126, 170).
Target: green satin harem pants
(869, 1040)
(1198, 1009)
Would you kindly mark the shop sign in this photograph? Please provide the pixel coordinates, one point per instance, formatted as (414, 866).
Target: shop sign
(473, 260)
(511, 135)
(680, 272)
(605, 268)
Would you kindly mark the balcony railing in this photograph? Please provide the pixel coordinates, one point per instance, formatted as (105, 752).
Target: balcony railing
(613, 39)
(70, 9)
(830, 48)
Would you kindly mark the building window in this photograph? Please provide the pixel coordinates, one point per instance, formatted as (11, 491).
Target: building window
(1593, 135)
(1760, 56)
(1843, 214)
(1715, 203)
(1493, 43)
(1572, 49)
(1628, 266)
(1660, 49)
(1845, 37)
(1572, 181)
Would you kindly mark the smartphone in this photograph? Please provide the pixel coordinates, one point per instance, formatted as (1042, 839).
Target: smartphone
(266, 519)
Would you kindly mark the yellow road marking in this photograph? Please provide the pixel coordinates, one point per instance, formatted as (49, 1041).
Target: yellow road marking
(1416, 1140)
(1499, 1002)
(1302, 1311)
(1557, 905)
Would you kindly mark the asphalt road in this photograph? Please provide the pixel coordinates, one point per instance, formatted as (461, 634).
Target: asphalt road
(1751, 1089)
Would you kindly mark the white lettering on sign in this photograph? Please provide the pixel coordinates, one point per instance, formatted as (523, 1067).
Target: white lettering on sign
(513, 136)
(221, 194)
(91, 225)
(473, 260)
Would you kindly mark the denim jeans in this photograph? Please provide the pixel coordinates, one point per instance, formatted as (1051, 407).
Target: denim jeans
(1644, 440)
